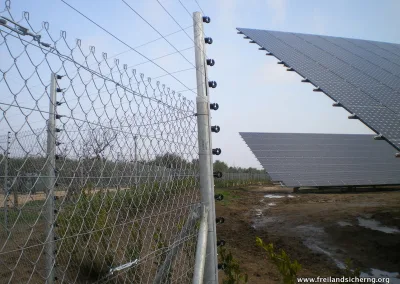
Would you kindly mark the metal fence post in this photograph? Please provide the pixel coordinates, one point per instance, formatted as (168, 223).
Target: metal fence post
(51, 167)
(6, 190)
(205, 161)
(198, 274)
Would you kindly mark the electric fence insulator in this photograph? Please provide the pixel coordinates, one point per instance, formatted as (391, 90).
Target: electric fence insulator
(210, 62)
(217, 174)
(221, 266)
(208, 40)
(206, 19)
(214, 106)
(220, 220)
(215, 128)
(218, 197)
(220, 243)
(212, 84)
(216, 151)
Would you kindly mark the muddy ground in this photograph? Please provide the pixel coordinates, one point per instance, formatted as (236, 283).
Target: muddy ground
(320, 230)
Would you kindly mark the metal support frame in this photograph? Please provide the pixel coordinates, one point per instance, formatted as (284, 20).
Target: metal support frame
(173, 250)
(205, 159)
(51, 167)
(6, 189)
(198, 274)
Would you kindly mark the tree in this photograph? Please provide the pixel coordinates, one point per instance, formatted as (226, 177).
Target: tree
(220, 166)
(170, 160)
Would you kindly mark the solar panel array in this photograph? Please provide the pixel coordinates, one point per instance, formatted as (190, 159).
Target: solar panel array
(361, 76)
(298, 159)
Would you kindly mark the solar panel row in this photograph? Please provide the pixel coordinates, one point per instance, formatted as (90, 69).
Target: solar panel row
(298, 159)
(363, 76)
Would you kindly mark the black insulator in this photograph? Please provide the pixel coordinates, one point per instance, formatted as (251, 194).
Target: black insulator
(221, 266)
(214, 106)
(216, 151)
(206, 19)
(55, 171)
(56, 197)
(56, 278)
(212, 84)
(58, 116)
(397, 155)
(210, 62)
(208, 40)
(56, 184)
(218, 197)
(220, 243)
(59, 103)
(55, 211)
(59, 90)
(57, 157)
(217, 174)
(215, 128)
(220, 220)
(55, 238)
(58, 130)
(58, 143)
(59, 77)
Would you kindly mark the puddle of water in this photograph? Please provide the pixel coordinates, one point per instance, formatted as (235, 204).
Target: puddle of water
(317, 248)
(271, 204)
(264, 221)
(344, 223)
(377, 226)
(273, 196)
(278, 196)
(310, 230)
(376, 273)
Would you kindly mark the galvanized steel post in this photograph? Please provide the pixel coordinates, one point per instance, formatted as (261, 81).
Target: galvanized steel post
(205, 160)
(51, 167)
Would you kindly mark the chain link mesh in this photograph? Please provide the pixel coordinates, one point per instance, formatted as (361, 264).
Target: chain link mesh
(125, 197)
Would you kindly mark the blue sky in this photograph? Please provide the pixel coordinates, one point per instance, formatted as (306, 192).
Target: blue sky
(254, 93)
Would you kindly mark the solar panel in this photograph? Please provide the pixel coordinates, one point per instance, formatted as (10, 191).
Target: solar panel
(303, 159)
(362, 76)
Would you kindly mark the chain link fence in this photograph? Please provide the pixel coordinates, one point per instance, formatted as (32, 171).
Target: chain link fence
(99, 166)
(242, 179)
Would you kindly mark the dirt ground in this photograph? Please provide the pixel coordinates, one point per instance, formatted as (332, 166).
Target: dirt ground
(320, 230)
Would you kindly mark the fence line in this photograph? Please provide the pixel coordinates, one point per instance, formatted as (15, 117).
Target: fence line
(100, 166)
(230, 179)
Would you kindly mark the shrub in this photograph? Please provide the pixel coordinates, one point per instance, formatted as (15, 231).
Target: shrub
(287, 268)
(233, 274)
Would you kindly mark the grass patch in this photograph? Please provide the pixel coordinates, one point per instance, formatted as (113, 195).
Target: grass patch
(229, 195)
